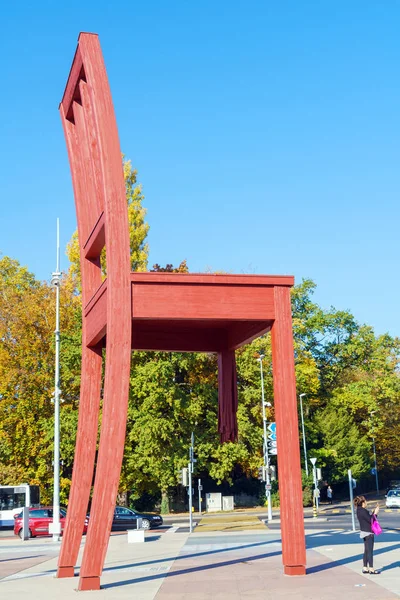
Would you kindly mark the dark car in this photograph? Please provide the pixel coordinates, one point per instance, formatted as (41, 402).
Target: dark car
(126, 518)
(39, 521)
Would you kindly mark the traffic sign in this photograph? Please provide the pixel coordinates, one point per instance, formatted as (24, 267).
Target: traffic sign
(272, 444)
(273, 451)
(272, 436)
(373, 471)
(272, 427)
(268, 487)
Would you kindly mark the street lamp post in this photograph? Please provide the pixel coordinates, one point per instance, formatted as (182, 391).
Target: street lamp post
(374, 450)
(315, 494)
(303, 433)
(55, 526)
(190, 470)
(265, 442)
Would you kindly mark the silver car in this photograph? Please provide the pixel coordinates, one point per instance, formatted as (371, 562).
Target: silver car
(393, 499)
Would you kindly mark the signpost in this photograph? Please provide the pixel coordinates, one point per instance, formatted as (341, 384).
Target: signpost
(271, 449)
(315, 494)
(272, 444)
(200, 487)
(351, 499)
(192, 460)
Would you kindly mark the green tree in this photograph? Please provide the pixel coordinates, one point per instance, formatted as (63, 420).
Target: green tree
(138, 228)
(342, 447)
(27, 319)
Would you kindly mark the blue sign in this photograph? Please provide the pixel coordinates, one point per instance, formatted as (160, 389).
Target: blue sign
(272, 427)
(272, 436)
(373, 471)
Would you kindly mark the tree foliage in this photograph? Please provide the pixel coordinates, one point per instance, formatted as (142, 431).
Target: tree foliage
(138, 229)
(27, 320)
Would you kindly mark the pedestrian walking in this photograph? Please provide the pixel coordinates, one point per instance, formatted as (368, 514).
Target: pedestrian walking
(329, 493)
(364, 518)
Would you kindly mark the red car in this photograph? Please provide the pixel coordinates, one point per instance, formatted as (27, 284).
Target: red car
(39, 521)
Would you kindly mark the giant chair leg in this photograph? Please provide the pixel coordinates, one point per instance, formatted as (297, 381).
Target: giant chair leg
(109, 461)
(85, 452)
(287, 430)
(227, 396)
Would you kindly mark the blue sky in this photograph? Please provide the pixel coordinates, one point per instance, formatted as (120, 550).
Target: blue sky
(266, 136)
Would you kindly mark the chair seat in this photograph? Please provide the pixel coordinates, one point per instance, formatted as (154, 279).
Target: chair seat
(191, 312)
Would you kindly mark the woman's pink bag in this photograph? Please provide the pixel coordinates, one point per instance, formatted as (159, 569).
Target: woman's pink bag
(375, 527)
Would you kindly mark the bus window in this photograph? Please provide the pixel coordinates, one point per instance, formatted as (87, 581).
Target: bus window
(6, 500)
(9, 500)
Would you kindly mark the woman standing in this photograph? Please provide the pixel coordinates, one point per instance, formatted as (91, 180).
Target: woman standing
(364, 518)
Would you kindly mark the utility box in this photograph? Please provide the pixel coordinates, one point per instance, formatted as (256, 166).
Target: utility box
(227, 503)
(135, 536)
(213, 502)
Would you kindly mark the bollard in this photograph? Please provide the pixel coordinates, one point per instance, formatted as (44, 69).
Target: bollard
(25, 526)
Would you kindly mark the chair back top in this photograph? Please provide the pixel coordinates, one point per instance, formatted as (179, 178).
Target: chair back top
(95, 158)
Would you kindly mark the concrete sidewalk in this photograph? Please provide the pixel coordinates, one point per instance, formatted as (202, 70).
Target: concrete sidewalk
(224, 566)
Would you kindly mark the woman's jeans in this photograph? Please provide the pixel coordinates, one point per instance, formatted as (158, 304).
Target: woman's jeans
(368, 551)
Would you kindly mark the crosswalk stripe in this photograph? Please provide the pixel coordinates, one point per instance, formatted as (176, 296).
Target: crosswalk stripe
(171, 530)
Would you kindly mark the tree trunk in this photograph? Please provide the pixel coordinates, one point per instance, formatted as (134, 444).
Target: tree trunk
(164, 502)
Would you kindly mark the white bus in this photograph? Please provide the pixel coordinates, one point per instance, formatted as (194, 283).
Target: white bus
(15, 497)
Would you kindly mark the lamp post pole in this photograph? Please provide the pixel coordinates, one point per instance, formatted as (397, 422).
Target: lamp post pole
(303, 433)
(265, 443)
(192, 460)
(375, 465)
(315, 493)
(374, 450)
(55, 526)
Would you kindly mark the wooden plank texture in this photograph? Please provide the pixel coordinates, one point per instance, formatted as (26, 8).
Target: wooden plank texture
(210, 278)
(118, 349)
(287, 432)
(184, 300)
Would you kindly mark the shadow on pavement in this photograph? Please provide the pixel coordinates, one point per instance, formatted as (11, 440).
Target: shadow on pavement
(226, 563)
(189, 555)
(336, 538)
(349, 559)
(394, 565)
(21, 558)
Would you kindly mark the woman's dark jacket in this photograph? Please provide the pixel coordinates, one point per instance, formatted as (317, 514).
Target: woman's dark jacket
(364, 518)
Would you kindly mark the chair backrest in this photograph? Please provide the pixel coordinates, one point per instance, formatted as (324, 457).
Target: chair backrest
(91, 134)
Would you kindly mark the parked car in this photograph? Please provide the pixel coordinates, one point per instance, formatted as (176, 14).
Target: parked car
(393, 499)
(126, 518)
(39, 521)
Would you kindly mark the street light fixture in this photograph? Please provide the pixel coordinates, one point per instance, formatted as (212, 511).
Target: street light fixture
(303, 433)
(265, 441)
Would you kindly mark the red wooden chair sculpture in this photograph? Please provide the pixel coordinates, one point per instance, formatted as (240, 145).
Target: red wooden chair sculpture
(154, 311)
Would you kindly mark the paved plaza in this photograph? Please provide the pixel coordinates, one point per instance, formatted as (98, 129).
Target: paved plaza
(171, 565)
